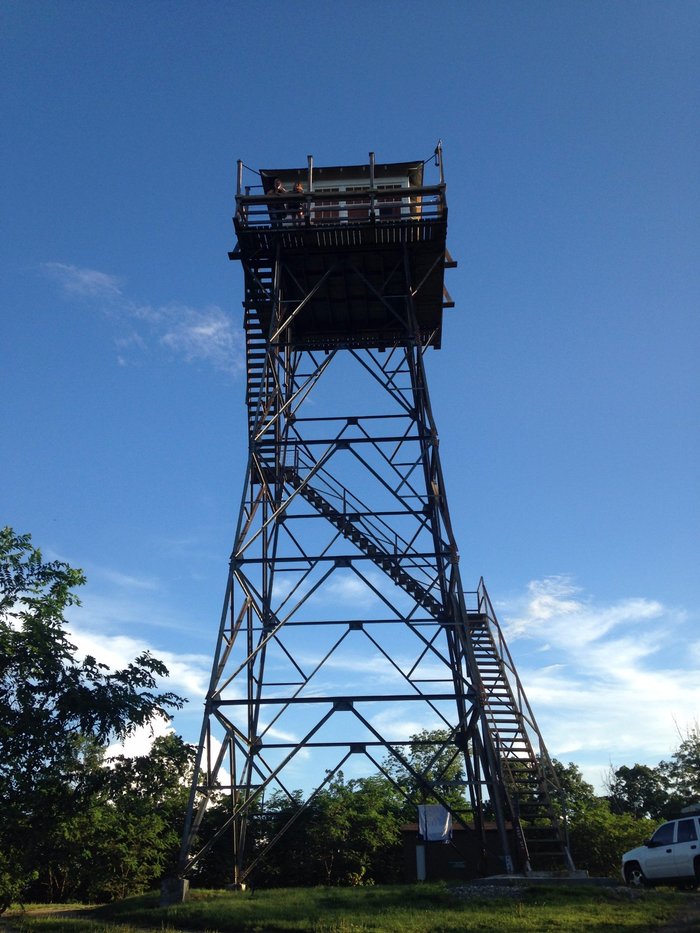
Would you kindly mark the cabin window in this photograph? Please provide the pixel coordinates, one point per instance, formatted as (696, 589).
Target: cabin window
(389, 207)
(326, 208)
(358, 210)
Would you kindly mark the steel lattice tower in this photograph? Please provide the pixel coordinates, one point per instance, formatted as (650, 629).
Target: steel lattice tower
(345, 625)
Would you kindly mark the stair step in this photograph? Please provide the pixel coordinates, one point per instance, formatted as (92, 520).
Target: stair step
(387, 563)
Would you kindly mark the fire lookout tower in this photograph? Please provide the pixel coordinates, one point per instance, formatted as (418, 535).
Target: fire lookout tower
(345, 627)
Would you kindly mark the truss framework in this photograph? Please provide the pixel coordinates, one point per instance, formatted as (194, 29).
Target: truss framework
(345, 627)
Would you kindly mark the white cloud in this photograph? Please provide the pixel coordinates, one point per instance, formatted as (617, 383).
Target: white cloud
(188, 673)
(140, 741)
(618, 682)
(197, 335)
(87, 283)
(205, 335)
(128, 581)
(399, 724)
(349, 588)
(552, 607)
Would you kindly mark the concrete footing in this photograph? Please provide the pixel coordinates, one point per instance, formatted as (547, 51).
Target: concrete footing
(547, 877)
(173, 891)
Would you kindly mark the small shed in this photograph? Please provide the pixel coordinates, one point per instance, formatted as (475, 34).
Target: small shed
(459, 859)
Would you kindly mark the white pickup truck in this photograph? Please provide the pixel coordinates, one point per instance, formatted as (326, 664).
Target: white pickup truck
(671, 856)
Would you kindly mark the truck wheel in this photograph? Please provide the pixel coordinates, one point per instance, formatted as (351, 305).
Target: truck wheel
(634, 876)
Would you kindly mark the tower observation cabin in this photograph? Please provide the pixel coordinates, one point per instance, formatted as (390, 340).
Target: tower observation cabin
(346, 237)
(347, 642)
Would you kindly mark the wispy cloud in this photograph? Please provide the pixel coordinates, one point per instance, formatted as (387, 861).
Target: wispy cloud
(205, 335)
(122, 615)
(556, 607)
(195, 334)
(128, 581)
(352, 591)
(403, 722)
(87, 283)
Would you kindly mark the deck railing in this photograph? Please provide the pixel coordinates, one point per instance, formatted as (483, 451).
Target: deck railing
(330, 208)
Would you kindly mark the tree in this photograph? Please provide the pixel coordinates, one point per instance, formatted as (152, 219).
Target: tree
(355, 835)
(348, 833)
(640, 791)
(57, 713)
(287, 862)
(579, 795)
(682, 772)
(435, 773)
(599, 837)
(141, 803)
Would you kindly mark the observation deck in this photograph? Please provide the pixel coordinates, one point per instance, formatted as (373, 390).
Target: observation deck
(359, 253)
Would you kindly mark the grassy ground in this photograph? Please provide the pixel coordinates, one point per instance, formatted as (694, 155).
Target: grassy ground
(427, 908)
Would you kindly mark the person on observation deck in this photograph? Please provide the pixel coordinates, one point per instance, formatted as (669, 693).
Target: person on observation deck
(296, 208)
(276, 206)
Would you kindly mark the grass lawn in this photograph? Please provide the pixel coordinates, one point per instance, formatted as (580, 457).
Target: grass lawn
(425, 908)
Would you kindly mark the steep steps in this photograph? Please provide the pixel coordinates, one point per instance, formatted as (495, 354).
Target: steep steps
(390, 563)
(531, 803)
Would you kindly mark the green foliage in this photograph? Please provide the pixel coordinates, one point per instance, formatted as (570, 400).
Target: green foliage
(682, 772)
(659, 793)
(578, 793)
(49, 699)
(136, 821)
(598, 833)
(350, 832)
(347, 834)
(356, 836)
(435, 772)
(640, 791)
(57, 714)
(598, 838)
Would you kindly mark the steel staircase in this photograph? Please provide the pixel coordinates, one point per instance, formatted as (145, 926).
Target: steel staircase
(390, 563)
(260, 394)
(529, 779)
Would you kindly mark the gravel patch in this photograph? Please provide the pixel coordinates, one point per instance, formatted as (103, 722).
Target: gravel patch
(468, 891)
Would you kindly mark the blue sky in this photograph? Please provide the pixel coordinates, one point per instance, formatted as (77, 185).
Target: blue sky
(567, 389)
